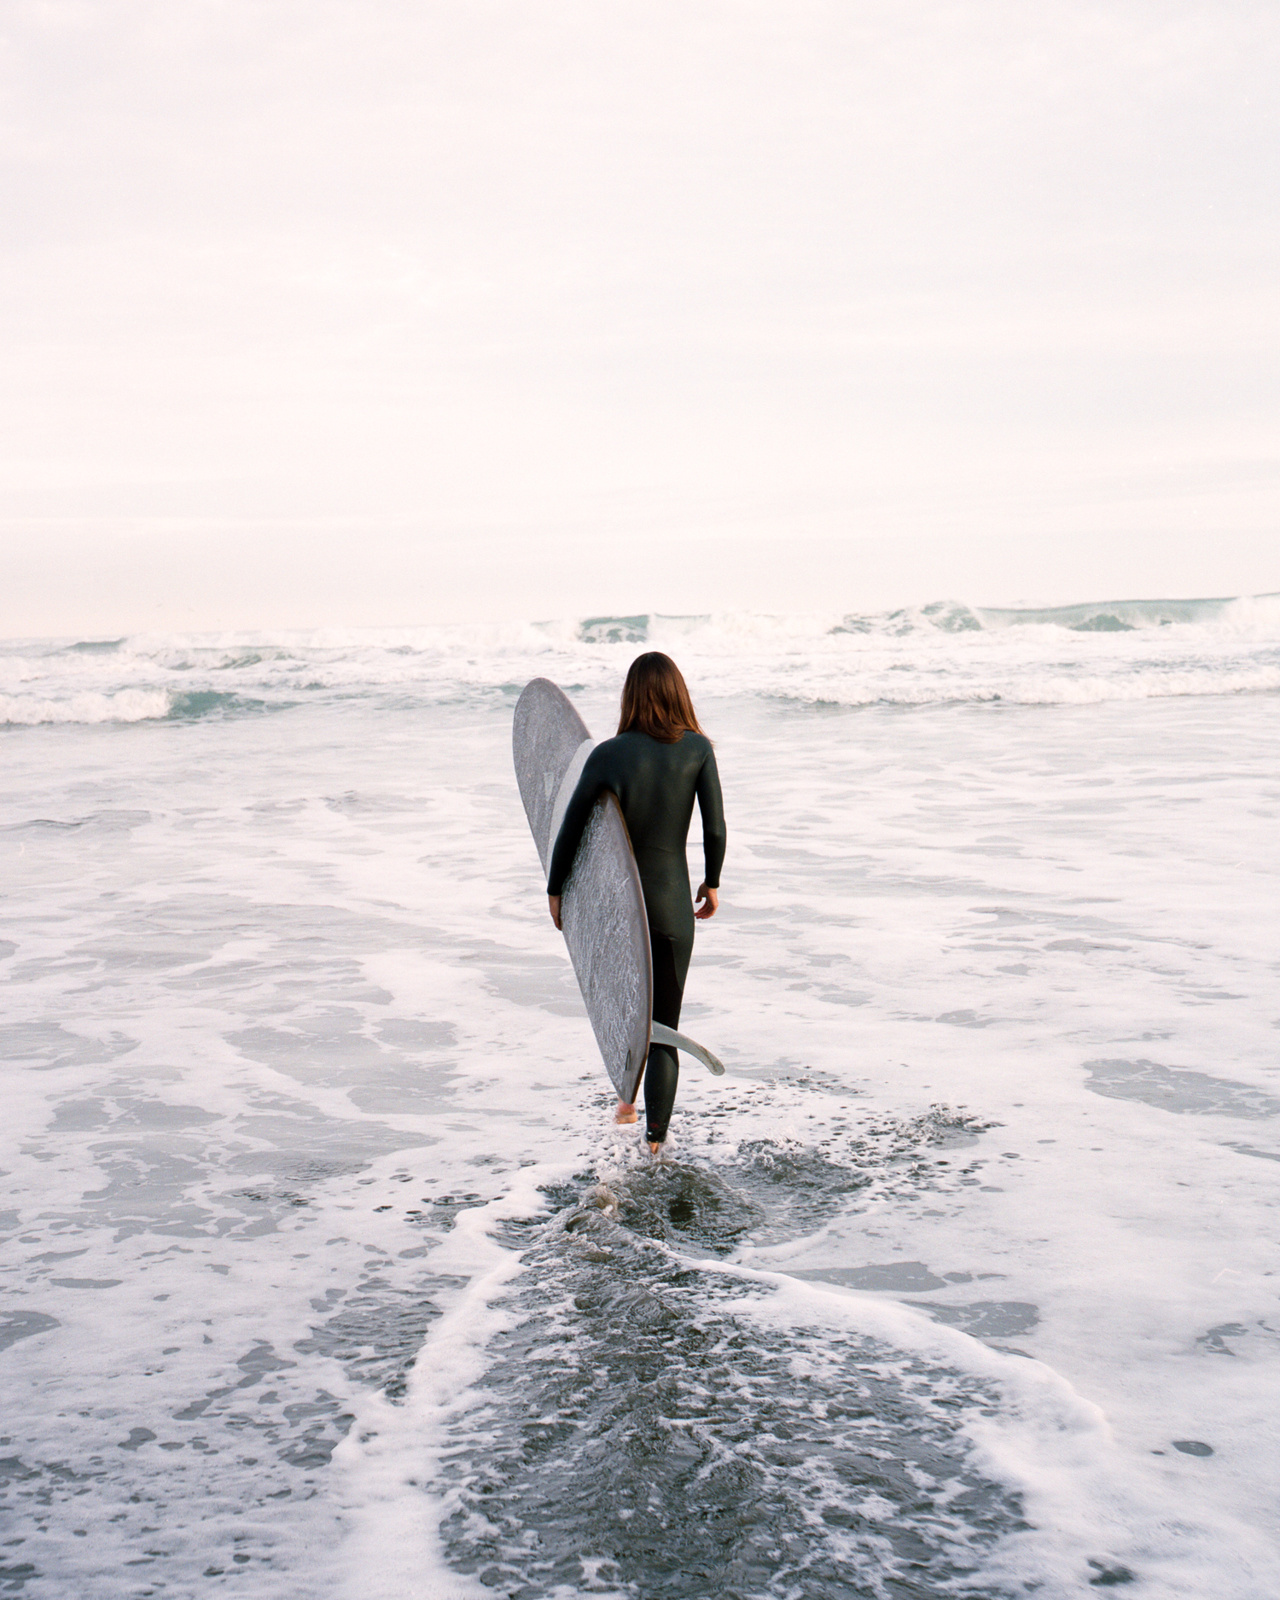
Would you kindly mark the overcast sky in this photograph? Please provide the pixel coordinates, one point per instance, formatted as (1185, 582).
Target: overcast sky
(322, 311)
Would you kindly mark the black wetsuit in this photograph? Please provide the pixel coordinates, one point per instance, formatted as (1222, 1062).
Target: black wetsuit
(655, 784)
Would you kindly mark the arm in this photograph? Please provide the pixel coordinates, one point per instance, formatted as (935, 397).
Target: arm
(565, 847)
(714, 838)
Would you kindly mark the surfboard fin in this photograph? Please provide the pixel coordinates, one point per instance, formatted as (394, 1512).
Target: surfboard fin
(659, 1033)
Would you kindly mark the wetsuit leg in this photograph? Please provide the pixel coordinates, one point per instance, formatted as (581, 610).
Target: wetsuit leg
(662, 1071)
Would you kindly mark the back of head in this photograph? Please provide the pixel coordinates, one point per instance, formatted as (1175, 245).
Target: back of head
(655, 699)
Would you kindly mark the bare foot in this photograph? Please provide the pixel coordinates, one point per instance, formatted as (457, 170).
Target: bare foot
(625, 1113)
(654, 1148)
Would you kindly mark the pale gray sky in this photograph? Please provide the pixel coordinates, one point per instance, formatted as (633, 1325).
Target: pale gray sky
(323, 311)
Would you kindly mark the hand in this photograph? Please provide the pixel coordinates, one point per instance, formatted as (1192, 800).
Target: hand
(553, 901)
(712, 898)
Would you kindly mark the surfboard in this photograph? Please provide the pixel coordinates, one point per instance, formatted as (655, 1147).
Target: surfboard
(602, 908)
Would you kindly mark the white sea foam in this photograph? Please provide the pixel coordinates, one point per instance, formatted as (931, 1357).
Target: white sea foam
(120, 705)
(300, 1104)
(946, 653)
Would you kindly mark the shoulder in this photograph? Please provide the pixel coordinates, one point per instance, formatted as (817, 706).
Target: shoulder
(609, 749)
(699, 743)
(608, 758)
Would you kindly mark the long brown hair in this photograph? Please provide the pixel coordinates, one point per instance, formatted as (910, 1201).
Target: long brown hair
(655, 699)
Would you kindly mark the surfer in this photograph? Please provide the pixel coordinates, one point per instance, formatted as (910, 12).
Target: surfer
(658, 763)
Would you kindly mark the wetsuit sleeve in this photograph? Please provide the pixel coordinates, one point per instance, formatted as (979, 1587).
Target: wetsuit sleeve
(711, 805)
(590, 786)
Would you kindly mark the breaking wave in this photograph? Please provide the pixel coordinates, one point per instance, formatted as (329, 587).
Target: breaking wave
(125, 705)
(948, 652)
(1256, 616)
(122, 705)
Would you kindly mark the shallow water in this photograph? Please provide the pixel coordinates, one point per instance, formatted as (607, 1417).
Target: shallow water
(326, 1272)
(641, 1430)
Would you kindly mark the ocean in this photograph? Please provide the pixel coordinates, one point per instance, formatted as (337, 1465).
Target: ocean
(328, 1275)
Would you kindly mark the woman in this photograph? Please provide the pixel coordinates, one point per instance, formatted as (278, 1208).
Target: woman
(656, 765)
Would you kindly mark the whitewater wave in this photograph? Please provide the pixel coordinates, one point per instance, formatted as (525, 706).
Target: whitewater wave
(945, 653)
(1253, 616)
(125, 705)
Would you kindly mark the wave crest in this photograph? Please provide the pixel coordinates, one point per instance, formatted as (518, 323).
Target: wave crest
(1255, 616)
(1241, 614)
(88, 706)
(947, 652)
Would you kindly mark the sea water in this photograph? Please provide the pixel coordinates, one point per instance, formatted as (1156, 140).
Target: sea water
(327, 1273)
